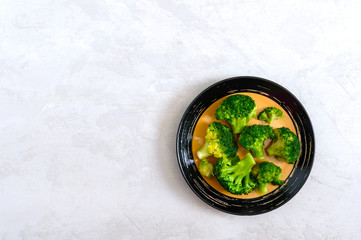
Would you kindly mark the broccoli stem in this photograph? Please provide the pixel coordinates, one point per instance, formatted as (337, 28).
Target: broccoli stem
(246, 179)
(241, 169)
(258, 153)
(238, 124)
(203, 152)
(270, 119)
(262, 188)
(276, 147)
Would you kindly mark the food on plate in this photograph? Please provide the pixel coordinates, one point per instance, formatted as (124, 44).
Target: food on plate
(264, 173)
(218, 151)
(220, 142)
(234, 174)
(253, 138)
(269, 114)
(206, 168)
(237, 110)
(286, 146)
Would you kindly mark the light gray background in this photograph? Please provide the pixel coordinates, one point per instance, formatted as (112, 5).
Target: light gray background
(92, 92)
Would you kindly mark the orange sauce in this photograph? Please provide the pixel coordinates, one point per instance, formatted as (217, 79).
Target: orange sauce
(208, 117)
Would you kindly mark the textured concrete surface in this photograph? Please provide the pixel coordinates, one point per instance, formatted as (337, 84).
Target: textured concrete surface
(92, 92)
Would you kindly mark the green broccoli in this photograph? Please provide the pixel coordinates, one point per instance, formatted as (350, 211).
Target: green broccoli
(220, 142)
(206, 168)
(264, 173)
(253, 137)
(269, 114)
(237, 110)
(234, 174)
(286, 147)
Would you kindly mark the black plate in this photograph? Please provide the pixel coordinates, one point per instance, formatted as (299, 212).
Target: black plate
(300, 171)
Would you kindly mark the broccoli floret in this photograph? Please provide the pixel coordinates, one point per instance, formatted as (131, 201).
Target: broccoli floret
(206, 168)
(269, 114)
(286, 147)
(220, 142)
(264, 173)
(237, 110)
(234, 174)
(253, 137)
